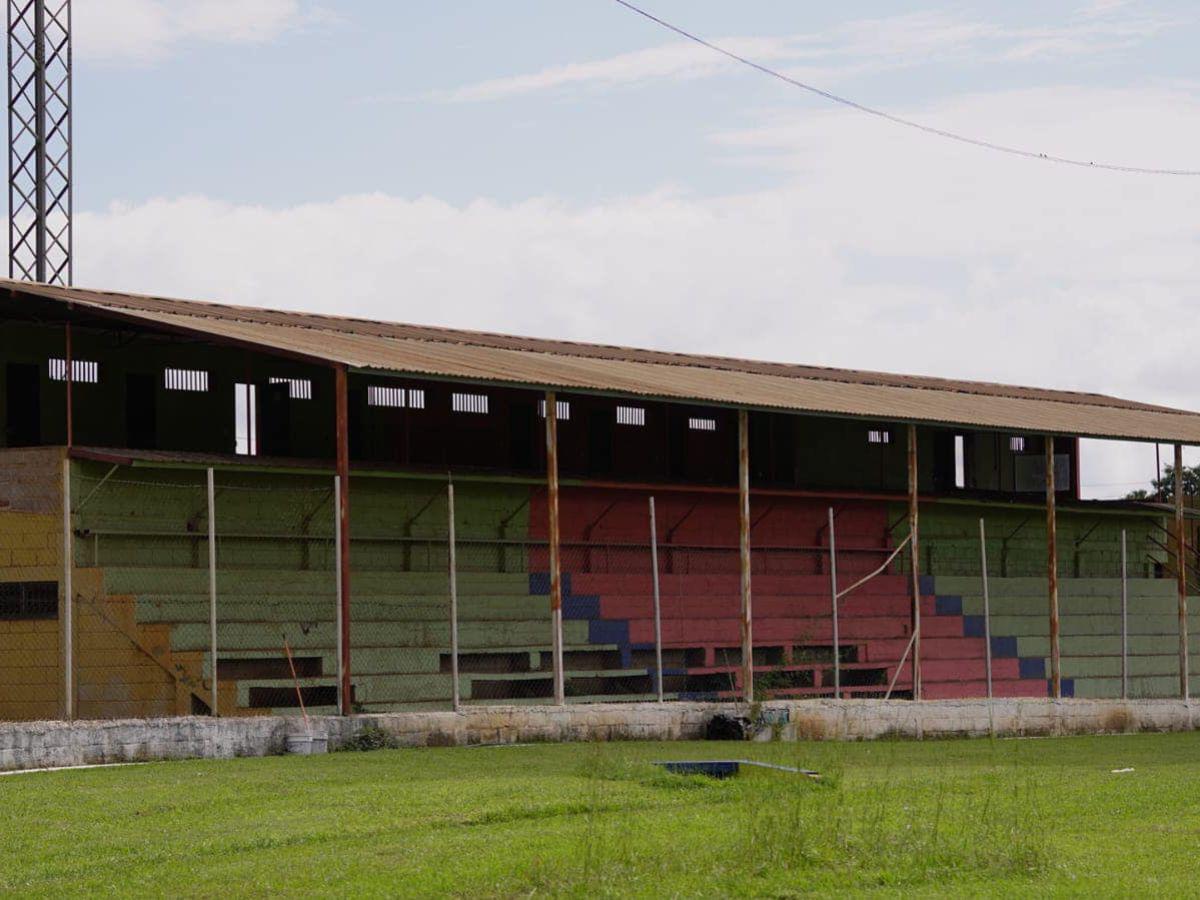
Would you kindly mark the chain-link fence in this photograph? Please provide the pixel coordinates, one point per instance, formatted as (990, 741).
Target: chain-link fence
(164, 620)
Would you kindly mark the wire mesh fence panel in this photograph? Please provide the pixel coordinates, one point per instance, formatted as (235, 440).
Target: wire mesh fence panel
(141, 592)
(800, 650)
(276, 595)
(504, 622)
(32, 678)
(400, 619)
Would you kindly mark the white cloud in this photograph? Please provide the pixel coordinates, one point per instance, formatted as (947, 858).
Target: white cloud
(884, 249)
(853, 48)
(142, 31)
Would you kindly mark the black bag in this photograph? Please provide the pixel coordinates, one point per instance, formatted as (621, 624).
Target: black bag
(726, 728)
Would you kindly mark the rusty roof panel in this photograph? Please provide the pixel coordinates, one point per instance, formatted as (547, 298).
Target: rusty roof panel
(473, 355)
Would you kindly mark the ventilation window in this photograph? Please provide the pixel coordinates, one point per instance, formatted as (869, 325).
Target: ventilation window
(702, 424)
(960, 461)
(469, 403)
(22, 601)
(631, 415)
(879, 436)
(392, 397)
(298, 388)
(395, 397)
(245, 414)
(185, 380)
(1016, 444)
(82, 371)
(562, 409)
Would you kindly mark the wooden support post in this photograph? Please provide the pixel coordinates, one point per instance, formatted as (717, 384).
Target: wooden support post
(556, 634)
(212, 584)
(70, 376)
(68, 596)
(913, 526)
(1181, 573)
(453, 564)
(1052, 569)
(341, 392)
(744, 554)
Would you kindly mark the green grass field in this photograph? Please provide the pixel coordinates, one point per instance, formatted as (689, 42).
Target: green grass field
(950, 818)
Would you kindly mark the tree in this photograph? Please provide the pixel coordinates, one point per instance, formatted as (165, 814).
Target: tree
(1164, 487)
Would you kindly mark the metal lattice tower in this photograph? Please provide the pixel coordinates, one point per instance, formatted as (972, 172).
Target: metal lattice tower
(39, 140)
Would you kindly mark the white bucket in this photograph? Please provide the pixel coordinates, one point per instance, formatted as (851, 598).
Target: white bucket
(307, 744)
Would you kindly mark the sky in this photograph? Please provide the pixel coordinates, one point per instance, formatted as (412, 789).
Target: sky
(564, 168)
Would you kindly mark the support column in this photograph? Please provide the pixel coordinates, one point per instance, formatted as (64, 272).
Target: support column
(68, 596)
(553, 537)
(70, 377)
(1181, 573)
(1052, 569)
(212, 583)
(452, 548)
(342, 417)
(744, 554)
(913, 526)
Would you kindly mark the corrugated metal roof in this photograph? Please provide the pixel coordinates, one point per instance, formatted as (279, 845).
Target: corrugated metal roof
(482, 356)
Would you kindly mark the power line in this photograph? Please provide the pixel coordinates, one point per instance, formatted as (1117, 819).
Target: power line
(899, 120)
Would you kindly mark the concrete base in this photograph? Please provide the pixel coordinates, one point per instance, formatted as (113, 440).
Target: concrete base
(28, 745)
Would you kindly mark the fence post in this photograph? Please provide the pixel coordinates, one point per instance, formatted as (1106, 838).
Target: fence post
(833, 592)
(556, 635)
(212, 584)
(1181, 575)
(337, 574)
(658, 665)
(453, 562)
(913, 527)
(987, 608)
(68, 550)
(1124, 620)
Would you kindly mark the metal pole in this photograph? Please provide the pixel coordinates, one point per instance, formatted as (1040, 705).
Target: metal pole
(833, 592)
(987, 607)
(555, 562)
(212, 583)
(913, 525)
(453, 595)
(1124, 620)
(1052, 570)
(337, 574)
(343, 475)
(68, 594)
(658, 663)
(1181, 573)
(744, 555)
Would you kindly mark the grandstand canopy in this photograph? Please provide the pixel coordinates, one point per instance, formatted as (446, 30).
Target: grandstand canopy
(473, 356)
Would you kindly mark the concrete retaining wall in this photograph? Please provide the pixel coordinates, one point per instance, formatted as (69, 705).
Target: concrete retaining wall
(44, 744)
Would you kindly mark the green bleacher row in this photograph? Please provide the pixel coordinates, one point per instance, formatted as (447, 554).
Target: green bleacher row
(1088, 541)
(1090, 628)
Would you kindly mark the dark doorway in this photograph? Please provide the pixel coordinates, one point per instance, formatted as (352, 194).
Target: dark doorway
(276, 420)
(522, 435)
(141, 411)
(600, 441)
(23, 428)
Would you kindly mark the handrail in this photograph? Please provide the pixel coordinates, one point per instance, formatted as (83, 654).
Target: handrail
(486, 541)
